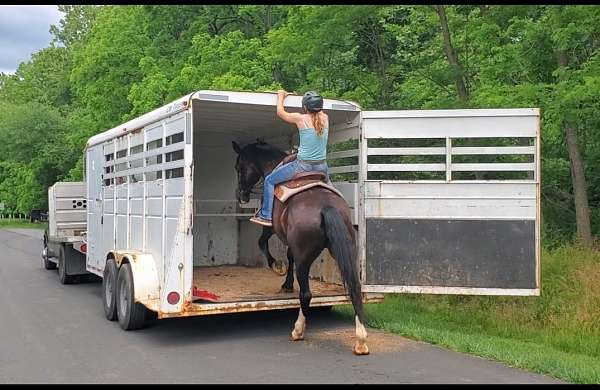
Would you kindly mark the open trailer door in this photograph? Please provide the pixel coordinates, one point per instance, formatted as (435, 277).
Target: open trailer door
(450, 201)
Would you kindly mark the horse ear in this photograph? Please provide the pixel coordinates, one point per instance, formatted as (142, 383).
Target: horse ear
(236, 147)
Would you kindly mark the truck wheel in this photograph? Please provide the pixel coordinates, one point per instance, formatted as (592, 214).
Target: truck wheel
(131, 314)
(62, 267)
(109, 296)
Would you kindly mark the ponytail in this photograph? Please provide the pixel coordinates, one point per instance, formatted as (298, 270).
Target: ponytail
(318, 122)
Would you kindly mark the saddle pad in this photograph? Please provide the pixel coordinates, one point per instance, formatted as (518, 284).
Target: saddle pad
(283, 191)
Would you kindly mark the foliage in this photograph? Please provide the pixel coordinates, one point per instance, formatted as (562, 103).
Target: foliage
(108, 64)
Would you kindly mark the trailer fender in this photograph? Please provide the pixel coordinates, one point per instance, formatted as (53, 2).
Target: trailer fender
(145, 274)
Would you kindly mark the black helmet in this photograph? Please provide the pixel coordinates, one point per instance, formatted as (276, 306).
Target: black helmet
(312, 101)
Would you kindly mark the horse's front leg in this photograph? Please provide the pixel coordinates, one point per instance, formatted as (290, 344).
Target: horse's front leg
(276, 266)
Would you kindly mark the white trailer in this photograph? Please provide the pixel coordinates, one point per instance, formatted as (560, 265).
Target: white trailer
(64, 244)
(431, 216)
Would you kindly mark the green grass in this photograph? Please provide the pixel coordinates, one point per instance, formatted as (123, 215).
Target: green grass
(557, 333)
(22, 223)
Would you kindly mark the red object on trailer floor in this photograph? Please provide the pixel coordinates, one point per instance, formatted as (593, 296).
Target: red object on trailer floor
(206, 295)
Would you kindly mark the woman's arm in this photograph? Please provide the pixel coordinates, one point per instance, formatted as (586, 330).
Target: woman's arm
(290, 117)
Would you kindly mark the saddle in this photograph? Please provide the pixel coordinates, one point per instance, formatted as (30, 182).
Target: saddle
(301, 182)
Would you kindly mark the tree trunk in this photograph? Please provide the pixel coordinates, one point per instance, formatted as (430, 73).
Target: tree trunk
(461, 88)
(582, 208)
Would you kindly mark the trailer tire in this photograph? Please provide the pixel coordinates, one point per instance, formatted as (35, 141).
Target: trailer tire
(62, 268)
(131, 314)
(109, 290)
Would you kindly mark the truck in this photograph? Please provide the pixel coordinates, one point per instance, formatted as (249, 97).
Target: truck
(443, 201)
(64, 244)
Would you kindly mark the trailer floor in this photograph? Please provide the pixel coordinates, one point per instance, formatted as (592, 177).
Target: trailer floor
(240, 284)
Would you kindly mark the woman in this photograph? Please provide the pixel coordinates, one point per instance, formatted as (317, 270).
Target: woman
(313, 125)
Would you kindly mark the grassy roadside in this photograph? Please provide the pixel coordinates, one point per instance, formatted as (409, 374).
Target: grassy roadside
(557, 333)
(21, 224)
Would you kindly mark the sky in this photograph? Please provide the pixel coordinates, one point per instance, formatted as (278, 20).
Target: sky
(23, 31)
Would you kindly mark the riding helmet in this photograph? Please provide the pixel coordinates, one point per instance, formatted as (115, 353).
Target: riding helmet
(312, 101)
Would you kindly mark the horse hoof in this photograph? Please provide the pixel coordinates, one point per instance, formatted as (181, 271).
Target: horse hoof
(286, 290)
(279, 268)
(295, 337)
(360, 349)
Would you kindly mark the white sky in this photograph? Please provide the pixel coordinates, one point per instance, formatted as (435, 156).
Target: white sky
(24, 29)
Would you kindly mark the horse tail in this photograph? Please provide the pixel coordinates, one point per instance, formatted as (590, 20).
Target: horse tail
(343, 249)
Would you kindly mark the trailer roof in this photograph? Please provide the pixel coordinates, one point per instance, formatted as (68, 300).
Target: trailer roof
(293, 102)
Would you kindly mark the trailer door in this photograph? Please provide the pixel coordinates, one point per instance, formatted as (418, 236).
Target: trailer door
(450, 201)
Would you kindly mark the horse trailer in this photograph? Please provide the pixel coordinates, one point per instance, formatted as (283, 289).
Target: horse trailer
(64, 241)
(444, 202)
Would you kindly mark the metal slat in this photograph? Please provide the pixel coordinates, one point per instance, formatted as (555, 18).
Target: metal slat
(342, 154)
(405, 167)
(344, 169)
(494, 167)
(406, 151)
(494, 150)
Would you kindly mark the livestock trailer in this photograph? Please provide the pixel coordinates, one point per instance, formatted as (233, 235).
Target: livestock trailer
(444, 202)
(64, 241)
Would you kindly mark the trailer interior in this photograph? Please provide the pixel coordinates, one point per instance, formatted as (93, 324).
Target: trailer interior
(227, 259)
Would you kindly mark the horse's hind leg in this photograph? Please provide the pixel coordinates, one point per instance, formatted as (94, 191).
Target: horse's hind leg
(305, 297)
(276, 266)
(288, 285)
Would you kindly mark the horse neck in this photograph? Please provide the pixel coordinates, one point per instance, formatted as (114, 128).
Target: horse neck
(268, 163)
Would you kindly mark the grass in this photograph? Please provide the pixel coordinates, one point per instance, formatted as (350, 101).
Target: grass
(21, 223)
(557, 333)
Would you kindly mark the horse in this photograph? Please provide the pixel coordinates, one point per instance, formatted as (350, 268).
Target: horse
(307, 223)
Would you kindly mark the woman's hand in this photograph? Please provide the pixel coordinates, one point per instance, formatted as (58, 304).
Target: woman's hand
(282, 94)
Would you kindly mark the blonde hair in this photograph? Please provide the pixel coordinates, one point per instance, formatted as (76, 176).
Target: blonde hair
(317, 122)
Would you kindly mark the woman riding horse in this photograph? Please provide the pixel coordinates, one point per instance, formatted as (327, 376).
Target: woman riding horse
(309, 221)
(313, 126)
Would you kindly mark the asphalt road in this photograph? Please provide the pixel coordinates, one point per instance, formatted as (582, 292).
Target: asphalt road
(50, 333)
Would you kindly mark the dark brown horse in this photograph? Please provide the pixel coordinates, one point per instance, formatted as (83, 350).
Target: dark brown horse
(307, 223)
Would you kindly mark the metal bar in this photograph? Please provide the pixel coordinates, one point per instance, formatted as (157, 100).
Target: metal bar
(463, 150)
(494, 167)
(343, 154)
(448, 159)
(450, 290)
(460, 113)
(149, 168)
(405, 167)
(405, 151)
(344, 169)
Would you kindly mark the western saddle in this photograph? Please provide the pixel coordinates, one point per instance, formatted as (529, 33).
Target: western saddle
(301, 182)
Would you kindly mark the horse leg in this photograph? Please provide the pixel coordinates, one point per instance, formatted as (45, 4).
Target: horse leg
(288, 285)
(360, 347)
(276, 266)
(305, 297)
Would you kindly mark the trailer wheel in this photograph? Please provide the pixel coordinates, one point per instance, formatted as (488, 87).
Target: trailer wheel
(131, 314)
(109, 291)
(62, 267)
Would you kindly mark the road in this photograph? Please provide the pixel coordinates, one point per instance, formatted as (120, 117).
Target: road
(53, 333)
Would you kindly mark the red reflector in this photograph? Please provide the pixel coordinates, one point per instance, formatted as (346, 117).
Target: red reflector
(173, 298)
(84, 248)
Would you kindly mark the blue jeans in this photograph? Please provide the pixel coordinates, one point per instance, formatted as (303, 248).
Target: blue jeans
(284, 173)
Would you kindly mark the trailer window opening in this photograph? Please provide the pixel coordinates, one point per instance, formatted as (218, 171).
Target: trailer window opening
(174, 138)
(120, 167)
(109, 169)
(174, 156)
(109, 182)
(136, 163)
(150, 176)
(154, 144)
(120, 180)
(174, 173)
(122, 153)
(109, 157)
(154, 160)
(136, 149)
(137, 177)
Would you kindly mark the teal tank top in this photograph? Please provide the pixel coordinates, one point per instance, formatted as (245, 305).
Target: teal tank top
(312, 146)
